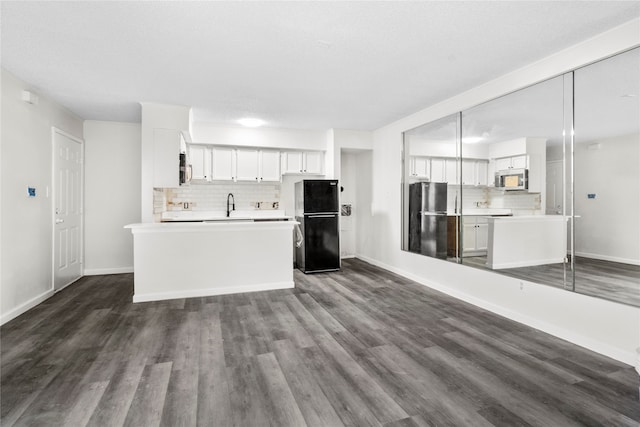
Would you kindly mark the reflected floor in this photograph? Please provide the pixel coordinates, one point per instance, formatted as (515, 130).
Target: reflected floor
(603, 279)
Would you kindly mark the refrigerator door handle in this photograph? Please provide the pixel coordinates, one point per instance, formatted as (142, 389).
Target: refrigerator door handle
(322, 216)
(433, 213)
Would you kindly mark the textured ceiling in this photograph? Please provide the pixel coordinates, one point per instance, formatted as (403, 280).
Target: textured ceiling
(304, 65)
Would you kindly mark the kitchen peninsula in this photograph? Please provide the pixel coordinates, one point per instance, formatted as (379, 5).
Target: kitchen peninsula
(526, 240)
(222, 256)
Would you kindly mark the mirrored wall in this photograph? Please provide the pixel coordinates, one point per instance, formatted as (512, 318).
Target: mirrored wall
(542, 184)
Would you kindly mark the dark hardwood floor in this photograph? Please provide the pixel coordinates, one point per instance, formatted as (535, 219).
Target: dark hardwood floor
(358, 347)
(609, 280)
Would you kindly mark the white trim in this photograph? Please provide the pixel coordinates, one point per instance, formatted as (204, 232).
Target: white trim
(347, 256)
(101, 271)
(22, 308)
(55, 291)
(609, 258)
(630, 358)
(212, 291)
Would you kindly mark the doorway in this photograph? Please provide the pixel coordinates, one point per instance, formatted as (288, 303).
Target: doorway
(67, 209)
(355, 200)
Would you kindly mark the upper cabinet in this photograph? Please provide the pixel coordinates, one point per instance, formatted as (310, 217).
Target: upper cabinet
(512, 162)
(313, 162)
(247, 167)
(303, 162)
(257, 165)
(166, 158)
(420, 167)
(475, 172)
(223, 164)
(270, 165)
(200, 159)
(446, 169)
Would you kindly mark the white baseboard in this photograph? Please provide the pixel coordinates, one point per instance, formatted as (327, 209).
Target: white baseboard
(101, 271)
(630, 358)
(159, 296)
(12, 314)
(609, 258)
(531, 263)
(347, 256)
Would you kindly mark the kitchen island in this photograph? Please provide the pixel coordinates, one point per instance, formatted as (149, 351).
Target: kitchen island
(526, 240)
(195, 259)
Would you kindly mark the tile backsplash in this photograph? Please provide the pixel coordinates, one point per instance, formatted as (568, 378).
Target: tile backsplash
(213, 197)
(485, 197)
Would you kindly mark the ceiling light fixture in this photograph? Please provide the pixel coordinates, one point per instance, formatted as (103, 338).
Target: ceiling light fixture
(251, 122)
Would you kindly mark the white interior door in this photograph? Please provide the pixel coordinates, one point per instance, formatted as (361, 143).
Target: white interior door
(67, 205)
(555, 184)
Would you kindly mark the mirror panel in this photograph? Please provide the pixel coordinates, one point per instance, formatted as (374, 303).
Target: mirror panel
(509, 226)
(607, 178)
(528, 197)
(431, 188)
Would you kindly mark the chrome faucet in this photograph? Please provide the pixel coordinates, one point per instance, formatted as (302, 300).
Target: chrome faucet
(233, 204)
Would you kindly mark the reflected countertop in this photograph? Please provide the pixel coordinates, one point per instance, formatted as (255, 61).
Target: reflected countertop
(482, 212)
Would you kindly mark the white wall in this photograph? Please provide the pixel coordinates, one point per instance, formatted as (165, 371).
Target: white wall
(26, 225)
(111, 195)
(365, 233)
(608, 226)
(603, 326)
(206, 133)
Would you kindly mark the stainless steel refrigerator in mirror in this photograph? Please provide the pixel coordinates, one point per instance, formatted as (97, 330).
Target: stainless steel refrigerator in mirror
(428, 219)
(317, 211)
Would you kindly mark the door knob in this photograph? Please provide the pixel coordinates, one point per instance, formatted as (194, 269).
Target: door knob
(59, 221)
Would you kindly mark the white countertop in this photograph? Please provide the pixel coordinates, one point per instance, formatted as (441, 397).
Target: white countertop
(481, 212)
(530, 218)
(209, 226)
(238, 215)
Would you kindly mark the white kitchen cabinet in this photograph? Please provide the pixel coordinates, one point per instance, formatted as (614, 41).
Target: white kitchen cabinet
(513, 162)
(200, 159)
(292, 162)
(438, 170)
(519, 162)
(313, 162)
(247, 167)
(482, 172)
(270, 165)
(475, 235)
(474, 172)
(166, 158)
(452, 175)
(223, 164)
(469, 172)
(420, 167)
(303, 162)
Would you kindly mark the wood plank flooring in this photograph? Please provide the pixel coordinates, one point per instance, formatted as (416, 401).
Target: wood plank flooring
(360, 347)
(609, 280)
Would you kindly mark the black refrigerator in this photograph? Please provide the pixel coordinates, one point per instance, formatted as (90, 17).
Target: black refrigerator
(317, 211)
(428, 218)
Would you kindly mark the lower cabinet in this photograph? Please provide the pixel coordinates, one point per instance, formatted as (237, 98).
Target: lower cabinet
(475, 235)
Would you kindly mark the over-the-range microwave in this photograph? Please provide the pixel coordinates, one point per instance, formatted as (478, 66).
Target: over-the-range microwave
(512, 179)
